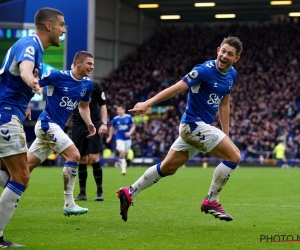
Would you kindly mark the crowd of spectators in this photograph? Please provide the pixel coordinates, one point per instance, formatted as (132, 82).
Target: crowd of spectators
(265, 105)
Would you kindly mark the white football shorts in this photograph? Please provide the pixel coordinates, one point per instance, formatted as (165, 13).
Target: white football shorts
(12, 136)
(49, 138)
(203, 138)
(123, 145)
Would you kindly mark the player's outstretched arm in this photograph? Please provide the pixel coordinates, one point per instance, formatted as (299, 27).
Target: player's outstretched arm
(142, 107)
(31, 79)
(84, 111)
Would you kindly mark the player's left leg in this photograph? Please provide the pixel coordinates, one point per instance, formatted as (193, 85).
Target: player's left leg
(82, 177)
(121, 147)
(122, 157)
(79, 137)
(211, 140)
(72, 157)
(94, 160)
(178, 155)
(51, 138)
(4, 176)
(94, 150)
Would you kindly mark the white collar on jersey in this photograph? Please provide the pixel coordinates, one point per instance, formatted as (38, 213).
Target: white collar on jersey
(74, 77)
(39, 41)
(218, 69)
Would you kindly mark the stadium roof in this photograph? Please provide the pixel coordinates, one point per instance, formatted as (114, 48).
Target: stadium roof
(245, 10)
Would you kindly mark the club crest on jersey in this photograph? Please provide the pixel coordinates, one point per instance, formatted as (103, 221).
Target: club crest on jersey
(83, 92)
(193, 73)
(214, 137)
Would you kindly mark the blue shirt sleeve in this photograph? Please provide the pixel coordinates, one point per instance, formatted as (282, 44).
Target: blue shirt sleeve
(197, 75)
(49, 78)
(28, 52)
(87, 96)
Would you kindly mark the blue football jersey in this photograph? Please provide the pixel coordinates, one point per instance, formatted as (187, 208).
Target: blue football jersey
(207, 87)
(64, 92)
(122, 125)
(14, 93)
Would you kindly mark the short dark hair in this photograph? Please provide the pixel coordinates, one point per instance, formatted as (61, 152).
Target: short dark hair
(45, 15)
(121, 106)
(81, 55)
(234, 42)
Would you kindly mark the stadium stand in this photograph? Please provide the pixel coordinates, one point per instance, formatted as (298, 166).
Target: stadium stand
(265, 105)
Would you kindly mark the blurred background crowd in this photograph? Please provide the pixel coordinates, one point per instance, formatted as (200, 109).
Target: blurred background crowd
(265, 100)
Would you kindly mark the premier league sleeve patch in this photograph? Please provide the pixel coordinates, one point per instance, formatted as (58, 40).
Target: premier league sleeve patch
(193, 74)
(29, 52)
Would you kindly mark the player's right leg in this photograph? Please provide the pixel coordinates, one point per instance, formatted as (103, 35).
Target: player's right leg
(121, 147)
(13, 154)
(79, 134)
(72, 157)
(211, 140)
(50, 137)
(169, 166)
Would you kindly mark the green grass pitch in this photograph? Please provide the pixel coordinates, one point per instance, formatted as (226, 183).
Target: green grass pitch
(262, 201)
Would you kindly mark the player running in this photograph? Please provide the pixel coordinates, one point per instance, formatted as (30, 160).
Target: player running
(19, 77)
(209, 86)
(66, 90)
(123, 126)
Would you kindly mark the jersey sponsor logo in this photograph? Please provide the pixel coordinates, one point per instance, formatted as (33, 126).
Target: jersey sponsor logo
(193, 73)
(123, 127)
(68, 103)
(30, 56)
(214, 100)
(103, 96)
(30, 50)
(83, 92)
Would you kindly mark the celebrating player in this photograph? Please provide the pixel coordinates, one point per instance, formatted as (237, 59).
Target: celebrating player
(66, 90)
(209, 85)
(19, 78)
(123, 125)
